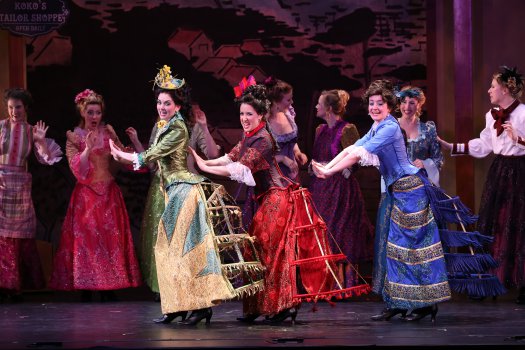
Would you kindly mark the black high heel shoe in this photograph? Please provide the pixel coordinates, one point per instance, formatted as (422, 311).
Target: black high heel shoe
(168, 318)
(107, 295)
(87, 296)
(282, 316)
(198, 316)
(248, 318)
(418, 314)
(387, 314)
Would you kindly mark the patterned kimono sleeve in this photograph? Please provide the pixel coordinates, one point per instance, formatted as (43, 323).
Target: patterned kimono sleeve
(252, 160)
(235, 152)
(435, 148)
(168, 142)
(434, 162)
(74, 147)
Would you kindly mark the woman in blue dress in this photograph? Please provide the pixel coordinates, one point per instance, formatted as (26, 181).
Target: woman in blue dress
(424, 151)
(415, 277)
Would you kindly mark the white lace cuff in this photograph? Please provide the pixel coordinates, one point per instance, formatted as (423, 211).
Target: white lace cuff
(365, 158)
(54, 154)
(240, 173)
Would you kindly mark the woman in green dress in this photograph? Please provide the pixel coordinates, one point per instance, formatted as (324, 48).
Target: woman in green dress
(154, 207)
(190, 273)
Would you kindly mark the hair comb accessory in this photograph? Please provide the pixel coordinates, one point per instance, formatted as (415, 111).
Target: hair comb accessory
(511, 76)
(412, 93)
(83, 95)
(165, 80)
(243, 85)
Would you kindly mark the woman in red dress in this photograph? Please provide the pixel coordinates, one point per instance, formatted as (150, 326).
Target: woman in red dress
(96, 248)
(292, 238)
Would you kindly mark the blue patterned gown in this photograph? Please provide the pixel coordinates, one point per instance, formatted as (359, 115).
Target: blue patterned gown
(415, 275)
(425, 147)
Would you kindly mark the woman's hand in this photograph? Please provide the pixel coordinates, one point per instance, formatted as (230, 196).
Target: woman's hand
(320, 171)
(301, 158)
(200, 116)
(292, 165)
(198, 159)
(418, 163)
(132, 134)
(116, 152)
(510, 131)
(91, 140)
(444, 144)
(39, 131)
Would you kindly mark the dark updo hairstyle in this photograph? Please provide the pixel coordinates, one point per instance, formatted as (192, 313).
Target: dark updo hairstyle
(511, 79)
(256, 96)
(276, 89)
(385, 89)
(19, 94)
(337, 100)
(182, 98)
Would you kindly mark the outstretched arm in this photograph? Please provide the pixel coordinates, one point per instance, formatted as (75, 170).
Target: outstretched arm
(119, 155)
(343, 160)
(212, 166)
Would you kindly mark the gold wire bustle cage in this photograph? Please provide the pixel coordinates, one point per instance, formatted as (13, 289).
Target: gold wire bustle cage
(234, 244)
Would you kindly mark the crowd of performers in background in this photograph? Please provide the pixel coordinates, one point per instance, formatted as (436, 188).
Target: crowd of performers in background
(288, 244)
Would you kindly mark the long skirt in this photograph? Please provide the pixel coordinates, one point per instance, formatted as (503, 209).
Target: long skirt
(340, 203)
(502, 215)
(295, 250)
(20, 264)
(19, 261)
(191, 272)
(148, 232)
(416, 274)
(96, 249)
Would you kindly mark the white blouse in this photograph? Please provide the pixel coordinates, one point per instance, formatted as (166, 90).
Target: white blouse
(488, 140)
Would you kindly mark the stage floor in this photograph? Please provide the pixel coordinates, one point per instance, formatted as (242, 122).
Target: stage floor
(60, 321)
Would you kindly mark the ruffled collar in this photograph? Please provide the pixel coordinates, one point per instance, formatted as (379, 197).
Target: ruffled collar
(254, 131)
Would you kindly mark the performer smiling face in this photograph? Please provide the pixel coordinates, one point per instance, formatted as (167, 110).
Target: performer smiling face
(377, 108)
(16, 109)
(249, 117)
(92, 115)
(409, 107)
(166, 107)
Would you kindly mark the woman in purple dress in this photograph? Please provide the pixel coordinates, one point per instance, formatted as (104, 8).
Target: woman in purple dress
(338, 199)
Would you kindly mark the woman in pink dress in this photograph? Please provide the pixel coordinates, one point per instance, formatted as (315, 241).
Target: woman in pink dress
(96, 249)
(19, 261)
